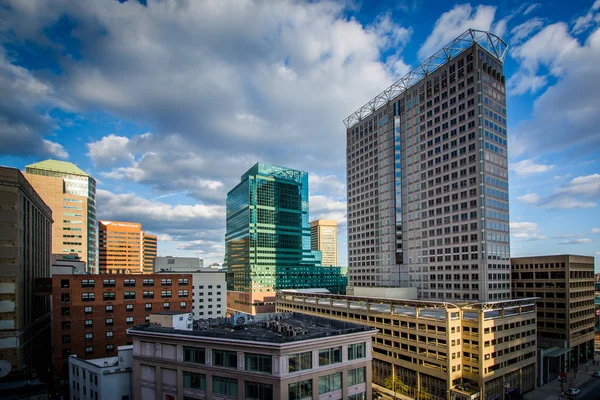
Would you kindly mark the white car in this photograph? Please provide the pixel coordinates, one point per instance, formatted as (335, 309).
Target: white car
(574, 392)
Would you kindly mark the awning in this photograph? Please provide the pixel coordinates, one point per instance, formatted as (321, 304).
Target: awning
(555, 352)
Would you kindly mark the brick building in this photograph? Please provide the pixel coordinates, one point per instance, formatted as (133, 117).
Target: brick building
(91, 313)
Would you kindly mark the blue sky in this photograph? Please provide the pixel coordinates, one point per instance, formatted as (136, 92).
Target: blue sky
(167, 103)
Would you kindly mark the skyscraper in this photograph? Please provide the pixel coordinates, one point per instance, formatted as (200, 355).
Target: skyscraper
(323, 237)
(150, 250)
(71, 194)
(427, 177)
(267, 243)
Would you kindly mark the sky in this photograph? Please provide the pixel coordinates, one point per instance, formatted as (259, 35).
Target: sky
(167, 103)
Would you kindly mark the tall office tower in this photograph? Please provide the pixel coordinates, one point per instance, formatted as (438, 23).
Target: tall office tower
(120, 247)
(267, 243)
(25, 249)
(427, 177)
(150, 251)
(323, 237)
(71, 194)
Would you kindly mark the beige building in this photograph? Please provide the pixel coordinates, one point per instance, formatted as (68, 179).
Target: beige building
(25, 249)
(124, 248)
(323, 237)
(71, 195)
(565, 309)
(273, 356)
(438, 350)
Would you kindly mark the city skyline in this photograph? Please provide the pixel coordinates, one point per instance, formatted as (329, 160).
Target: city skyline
(164, 149)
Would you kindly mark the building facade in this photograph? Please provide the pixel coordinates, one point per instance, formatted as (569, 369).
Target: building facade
(25, 249)
(177, 264)
(120, 247)
(102, 378)
(267, 242)
(566, 309)
(92, 312)
(427, 178)
(150, 252)
(323, 237)
(71, 195)
(438, 350)
(319, 359)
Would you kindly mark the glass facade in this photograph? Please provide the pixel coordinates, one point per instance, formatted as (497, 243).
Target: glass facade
(267, 243)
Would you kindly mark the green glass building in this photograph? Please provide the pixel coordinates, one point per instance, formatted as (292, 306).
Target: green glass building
(267, 243)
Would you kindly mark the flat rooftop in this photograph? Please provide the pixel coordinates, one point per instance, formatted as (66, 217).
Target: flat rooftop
(312, 327)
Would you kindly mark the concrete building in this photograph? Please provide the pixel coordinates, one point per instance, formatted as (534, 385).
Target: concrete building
(107, 378)
(25, 248)
(176, 264)
(438, 350)
(291, 356)
(66, 266)
(150, 252)
(180, 320)
(566, 310)
(91, 312)
(323, 237)
(71, 195)
(427, 178)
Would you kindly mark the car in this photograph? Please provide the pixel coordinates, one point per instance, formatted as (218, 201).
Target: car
(596, 374)
(574, 392)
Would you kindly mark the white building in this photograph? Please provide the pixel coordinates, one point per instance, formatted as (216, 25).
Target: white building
(177, 264)
(172, 319)
(209, 291)
(102, 378)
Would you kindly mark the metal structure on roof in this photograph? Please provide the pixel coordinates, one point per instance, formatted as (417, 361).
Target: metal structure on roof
(493, 44)
(494, 305)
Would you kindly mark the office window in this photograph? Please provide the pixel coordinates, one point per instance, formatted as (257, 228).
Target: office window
(129, 282)
(129, 320)
(183, 281)
(330, 383)
(183, 293)
(66, 339)
(330, 356)
(258, 362)
(109, 321)
(88, 283)
(88, 296)
(226, 386)
(357, 350)
(65, 297)
(148, 282)
(129, 307)
(66, 324)
(148, 306)
(64, 283)
(165, 282)
(149, 294)
(224, 358)
(165, 293)
(64, 311)
(358, 396)
(300, 390)
(109, 348)
(89, 337)
(109, 296)
(147, 318)
(87, 309)
(300, 361)
(110, 334)
(356, 376)
(89, 350)
(195, 355)
(183, 304)
(167, 304)
(129, 295)
(88, 323)
(192, 380)
(108, 308)
(258, 391)
(108, 283)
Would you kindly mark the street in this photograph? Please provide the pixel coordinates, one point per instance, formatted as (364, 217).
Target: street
(590, 390)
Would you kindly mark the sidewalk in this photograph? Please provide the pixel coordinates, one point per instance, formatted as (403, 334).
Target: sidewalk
(551, 390)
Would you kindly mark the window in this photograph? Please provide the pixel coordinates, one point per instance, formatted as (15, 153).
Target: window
(167, 304)
(65, 297)
(330, 356)
(148, 282)
(64, 283)
(129, 282)
(330, 383)
(226, 386)
(89, 337)
(148, 306)
(258, 362)
(300, 390)
(110, 347)
(165, 282)
(195, 355)
(110, 334)
(300, 361)
(183, 281)
(183, 293)
(88, 296)
(183, 304)
(108, 308)
(356, 376)
(89, 350)
(358, 396)
(192, 380)
(87, 309)
(258, 391)
(109, 296)
(129, 320)
(89, 323)
(66, 324)
(109, 321)
(357, 350)
(224, 358)
(64, 311)
(129, 295)
(108, 283)
(129, 307)
(165, 293)
(149, 294)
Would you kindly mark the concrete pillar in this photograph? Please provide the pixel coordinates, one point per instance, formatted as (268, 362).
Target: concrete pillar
(159, 394)
(345, 384)
(315, 388)
(368, 381)
(209, 388)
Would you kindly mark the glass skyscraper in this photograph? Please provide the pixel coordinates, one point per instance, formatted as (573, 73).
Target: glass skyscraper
(267, 243)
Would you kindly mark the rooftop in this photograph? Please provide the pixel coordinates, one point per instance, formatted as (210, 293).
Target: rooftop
(309, 326)
(57, 166)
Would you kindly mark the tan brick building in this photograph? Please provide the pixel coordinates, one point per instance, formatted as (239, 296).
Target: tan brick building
(323, 237)
(150, 252)
(92, 312)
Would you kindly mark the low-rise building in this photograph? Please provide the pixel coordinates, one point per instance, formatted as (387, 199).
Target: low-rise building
(177, 264)
(107, 378)
(438, 350)
(273, 356)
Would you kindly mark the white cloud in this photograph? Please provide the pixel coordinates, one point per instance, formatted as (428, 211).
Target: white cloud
(528, 167)
(586, 21)
(530, 198)
(109, 151)
(55, 149)
(580, 192)
(527, 231)
(323, 207)
(454, 22)
(329, 185)
(524, 30)
(595, 230)
(577, 241)
(531, 8)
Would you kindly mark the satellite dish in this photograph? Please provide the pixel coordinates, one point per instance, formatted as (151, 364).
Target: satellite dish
(5, 368)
